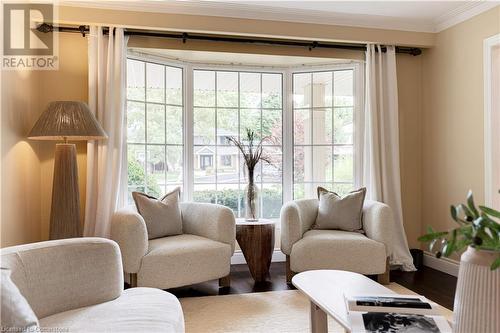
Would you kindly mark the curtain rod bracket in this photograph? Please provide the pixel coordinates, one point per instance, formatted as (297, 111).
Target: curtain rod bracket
(83, 30)
(313, 46)
(45, 28)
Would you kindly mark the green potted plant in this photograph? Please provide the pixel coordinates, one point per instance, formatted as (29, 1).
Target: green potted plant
(478, 286)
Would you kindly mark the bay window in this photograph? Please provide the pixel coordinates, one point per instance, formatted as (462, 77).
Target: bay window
(180, 115)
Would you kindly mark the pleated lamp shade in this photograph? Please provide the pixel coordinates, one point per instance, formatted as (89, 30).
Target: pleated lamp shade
(67, 120)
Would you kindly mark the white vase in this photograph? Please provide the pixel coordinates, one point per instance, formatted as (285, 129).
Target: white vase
(477, 299)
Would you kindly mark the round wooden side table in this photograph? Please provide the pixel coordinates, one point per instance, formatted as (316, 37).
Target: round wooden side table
(256, 240)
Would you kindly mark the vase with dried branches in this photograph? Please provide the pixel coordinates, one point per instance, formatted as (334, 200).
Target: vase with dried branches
(253, 153)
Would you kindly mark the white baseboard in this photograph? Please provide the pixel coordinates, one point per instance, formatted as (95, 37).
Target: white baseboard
(445, 265)
(238, 257)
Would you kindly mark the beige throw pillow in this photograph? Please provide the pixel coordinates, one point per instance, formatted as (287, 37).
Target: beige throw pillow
(335, 212)
(17, 315)
(162, 217)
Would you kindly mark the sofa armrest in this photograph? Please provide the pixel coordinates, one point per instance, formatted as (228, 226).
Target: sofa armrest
(296, 217)
(61, 275)
(129, 230)
(378, 222)
(209, 220)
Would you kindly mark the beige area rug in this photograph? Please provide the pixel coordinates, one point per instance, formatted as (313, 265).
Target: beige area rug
(274, 311)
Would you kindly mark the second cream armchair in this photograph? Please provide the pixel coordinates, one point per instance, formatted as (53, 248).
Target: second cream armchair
(203, 252)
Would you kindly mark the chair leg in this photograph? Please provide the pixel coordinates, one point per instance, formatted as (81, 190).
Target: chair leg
(133, 280)
(225, 281)
(289, 272)
(384, 278)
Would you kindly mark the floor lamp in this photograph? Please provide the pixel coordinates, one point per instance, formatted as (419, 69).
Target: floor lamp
(66, 120)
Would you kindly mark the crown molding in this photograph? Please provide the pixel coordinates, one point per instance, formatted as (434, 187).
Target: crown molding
(463, 13)
(246, 11)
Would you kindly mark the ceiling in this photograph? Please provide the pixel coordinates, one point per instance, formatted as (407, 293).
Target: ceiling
(227, 58)
(422, 16)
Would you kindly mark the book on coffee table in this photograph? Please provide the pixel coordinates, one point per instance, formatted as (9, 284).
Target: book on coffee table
(411, 304)
(395, 314)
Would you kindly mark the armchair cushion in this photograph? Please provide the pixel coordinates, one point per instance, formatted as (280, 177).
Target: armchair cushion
(162, 217)
(182, 260)
(327, 249)
(136, 310)
(340, 213)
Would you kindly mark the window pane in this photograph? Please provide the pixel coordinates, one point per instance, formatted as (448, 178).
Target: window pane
(174, 164)
(271, 200)
(250, 119)
(155, 168)
(174, 85)
(205, 193)
(298, 191)
(204, 126)
(230, 196)
(271, 91)
(302, 164)
(204, 88)
(226, 121)
(156, 123)
(227, 164)
(343, 88)
(136, 161)
(343, 167)
(344, 125)
(302, 90)
(155, 77)
(272, 126)
(135, 80)
(302, 127)
(272, 172)
(204, 164)
(227, 89)
(342, 189)
(322, 127)
(136, 117)
(322, 165)
(322, 89)
(250, 90)
(174, 124)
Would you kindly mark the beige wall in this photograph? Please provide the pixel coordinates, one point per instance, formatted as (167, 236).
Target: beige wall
(452, 133)
(20, 166)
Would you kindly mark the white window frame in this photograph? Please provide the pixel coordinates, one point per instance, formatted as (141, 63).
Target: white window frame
(358, 90)
(287, 112)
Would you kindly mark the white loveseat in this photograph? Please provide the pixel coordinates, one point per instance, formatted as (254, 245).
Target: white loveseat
(76, 285)
(201, 253)
(308, 249)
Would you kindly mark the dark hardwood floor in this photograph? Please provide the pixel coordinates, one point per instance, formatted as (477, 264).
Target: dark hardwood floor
(433, 284)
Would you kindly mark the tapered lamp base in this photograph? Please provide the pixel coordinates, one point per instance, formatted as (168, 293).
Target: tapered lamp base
(65, 211)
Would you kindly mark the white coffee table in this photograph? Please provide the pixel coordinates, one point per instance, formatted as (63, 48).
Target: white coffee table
(325, 290)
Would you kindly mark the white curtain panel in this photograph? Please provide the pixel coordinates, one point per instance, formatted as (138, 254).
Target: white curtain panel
(107, 56)
(380, 145)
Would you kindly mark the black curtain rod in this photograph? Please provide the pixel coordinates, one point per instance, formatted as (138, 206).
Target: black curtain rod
(82, 29)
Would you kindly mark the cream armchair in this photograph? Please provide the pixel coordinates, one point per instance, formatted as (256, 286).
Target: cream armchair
(203, 252)
(309, 249)
(76, 285)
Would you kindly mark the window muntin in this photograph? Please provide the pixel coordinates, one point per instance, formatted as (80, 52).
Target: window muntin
(323, 131)
(154, 127)
(226, 103)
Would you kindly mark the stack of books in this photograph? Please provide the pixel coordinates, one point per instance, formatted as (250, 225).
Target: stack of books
(394, 314)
